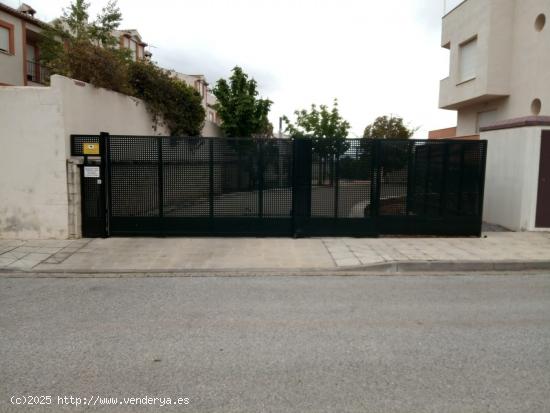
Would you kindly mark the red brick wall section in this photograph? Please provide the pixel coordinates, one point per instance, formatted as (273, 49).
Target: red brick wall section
(442, 133)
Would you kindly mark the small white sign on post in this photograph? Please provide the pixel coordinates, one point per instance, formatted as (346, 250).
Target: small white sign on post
(91, 172)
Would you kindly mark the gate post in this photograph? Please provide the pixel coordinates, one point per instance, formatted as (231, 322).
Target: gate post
(260, 178)
(301, 185)
(410, 177)
(105, 169)
(336, 180)
(444, 178)
(210, 179)
(376, 172)
(160, 187)
(481, 187)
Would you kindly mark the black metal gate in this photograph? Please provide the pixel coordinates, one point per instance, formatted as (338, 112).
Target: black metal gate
(166, 186)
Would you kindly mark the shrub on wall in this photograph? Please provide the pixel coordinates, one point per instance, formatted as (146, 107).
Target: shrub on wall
(92, 64)
(169, 100)
(73, 46)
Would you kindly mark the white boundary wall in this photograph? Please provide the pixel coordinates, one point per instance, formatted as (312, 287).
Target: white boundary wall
(36, 123)
(512, 176)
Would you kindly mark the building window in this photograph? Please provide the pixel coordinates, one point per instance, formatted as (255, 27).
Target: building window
(32, 67)
(199, 87)
(6, 37)
(468, 60)
(133, 48)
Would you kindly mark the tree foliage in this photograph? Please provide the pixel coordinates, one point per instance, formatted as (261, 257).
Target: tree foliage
(325, 126)
(85, 50)
(328, 132)
(243, 114)
(395, 155)
(73, 46)
(168, 98)
(388, 127)
(108, 20)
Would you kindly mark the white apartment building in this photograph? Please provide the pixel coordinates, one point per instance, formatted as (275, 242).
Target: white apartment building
(499, 84)
(499, 60)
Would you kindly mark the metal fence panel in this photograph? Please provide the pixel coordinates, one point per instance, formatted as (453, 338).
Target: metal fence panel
(357, 187)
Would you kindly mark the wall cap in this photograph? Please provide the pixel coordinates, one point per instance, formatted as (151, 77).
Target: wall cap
(522, 122)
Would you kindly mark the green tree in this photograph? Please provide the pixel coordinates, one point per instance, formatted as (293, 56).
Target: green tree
(243, 114)
(395, 154)
(327, 129)
(108, 20)
(73, 46)
(388, 127)
(85, 50)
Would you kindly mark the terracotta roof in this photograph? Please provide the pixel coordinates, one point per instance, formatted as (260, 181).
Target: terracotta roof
(22, 16)
(130, 33)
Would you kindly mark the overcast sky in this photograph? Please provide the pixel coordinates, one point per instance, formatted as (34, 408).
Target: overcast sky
(376, 57)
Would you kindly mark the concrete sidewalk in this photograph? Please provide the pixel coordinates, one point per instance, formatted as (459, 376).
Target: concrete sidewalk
(496, 251)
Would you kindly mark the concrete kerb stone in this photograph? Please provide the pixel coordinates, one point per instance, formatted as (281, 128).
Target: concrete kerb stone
(387, 268)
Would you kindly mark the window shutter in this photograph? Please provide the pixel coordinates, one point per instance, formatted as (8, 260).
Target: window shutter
(468, 60)
(4, 39)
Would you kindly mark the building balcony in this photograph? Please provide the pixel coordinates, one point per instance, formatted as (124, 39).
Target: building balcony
(454, 95)
(36, 73)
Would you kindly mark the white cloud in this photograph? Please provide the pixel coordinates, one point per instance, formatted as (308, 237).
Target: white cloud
(376, 57)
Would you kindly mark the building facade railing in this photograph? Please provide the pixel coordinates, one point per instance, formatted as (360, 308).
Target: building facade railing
(37, 73)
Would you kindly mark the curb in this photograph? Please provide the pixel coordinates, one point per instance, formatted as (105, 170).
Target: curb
(386, 268)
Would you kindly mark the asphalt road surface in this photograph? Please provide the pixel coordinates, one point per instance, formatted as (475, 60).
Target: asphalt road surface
(277, 344)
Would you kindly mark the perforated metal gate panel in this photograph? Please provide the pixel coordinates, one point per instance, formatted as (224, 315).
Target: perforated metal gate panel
(236, 168)
(394, 180)
(197, 186)
(186, 177)
(134, 177)
(357, 187)
(354, 172)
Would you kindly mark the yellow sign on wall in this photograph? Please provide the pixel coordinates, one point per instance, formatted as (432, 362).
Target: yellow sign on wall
(90, 148)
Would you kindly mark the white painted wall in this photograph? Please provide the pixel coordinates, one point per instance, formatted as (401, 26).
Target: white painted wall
(90, 110)
(512, 174)
(33, 184)
(36, 125)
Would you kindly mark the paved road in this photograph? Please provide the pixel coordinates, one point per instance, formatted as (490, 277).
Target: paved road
(279, 344)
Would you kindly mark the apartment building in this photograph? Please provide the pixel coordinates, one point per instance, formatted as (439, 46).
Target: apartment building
(499, 59)
(499, 85)
(199, 83)
(19, 50)
(20, 46)
(131, 39)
